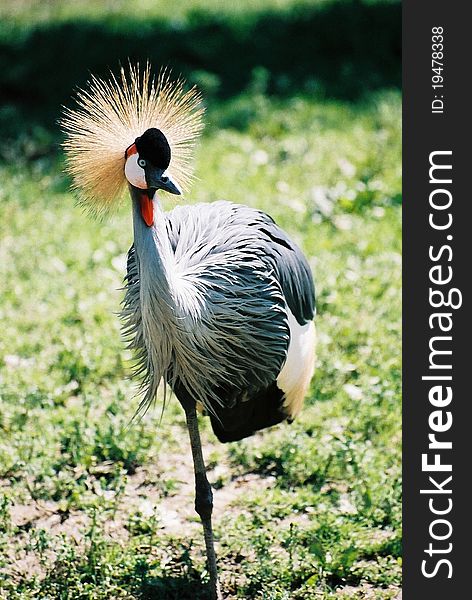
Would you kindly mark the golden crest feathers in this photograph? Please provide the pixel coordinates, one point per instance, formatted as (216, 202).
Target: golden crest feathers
(111, 114)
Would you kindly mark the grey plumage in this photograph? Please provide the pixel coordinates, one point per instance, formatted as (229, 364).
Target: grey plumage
(209, 285)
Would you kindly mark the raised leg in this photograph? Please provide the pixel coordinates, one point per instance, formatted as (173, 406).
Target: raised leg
(203, 499)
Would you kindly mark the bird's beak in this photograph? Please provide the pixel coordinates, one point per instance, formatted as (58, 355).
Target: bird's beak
(157, 179)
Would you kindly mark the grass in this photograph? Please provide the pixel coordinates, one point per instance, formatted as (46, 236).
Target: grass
(303, 121)
(94, 507)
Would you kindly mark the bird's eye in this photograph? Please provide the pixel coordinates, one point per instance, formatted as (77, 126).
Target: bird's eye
(164, 179)
(142, 162)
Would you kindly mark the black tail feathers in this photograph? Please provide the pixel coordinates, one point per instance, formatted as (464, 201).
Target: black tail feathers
(262, 409)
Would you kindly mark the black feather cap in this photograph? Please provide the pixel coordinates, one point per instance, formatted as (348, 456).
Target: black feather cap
(154, 148)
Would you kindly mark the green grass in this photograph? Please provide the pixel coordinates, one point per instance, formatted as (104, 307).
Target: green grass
(93, 507)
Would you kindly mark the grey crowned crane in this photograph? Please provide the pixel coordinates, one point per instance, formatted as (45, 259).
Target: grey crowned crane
(219, 301)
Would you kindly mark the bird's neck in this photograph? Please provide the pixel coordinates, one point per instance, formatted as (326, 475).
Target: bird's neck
(155, 258)
(170, 308)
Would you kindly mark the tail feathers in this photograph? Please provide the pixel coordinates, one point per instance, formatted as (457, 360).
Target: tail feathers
(263, 409)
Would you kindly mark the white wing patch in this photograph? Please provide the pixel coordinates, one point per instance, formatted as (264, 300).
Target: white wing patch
(299, 366)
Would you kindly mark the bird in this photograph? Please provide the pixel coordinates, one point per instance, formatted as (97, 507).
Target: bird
(219, 302)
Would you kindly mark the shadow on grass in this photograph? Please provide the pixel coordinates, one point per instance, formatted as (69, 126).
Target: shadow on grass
(102, 568)
(341, 49)
(173, 588)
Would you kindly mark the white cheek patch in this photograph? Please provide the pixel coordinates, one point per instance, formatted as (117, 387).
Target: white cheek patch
(134, 173)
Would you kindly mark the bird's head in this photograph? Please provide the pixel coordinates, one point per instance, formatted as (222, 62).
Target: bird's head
(146, 163)
(134, 130)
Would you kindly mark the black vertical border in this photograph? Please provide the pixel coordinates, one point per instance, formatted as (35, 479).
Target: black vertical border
(424, 132)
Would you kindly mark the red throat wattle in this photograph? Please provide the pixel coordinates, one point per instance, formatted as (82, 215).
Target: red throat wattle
(147, 209)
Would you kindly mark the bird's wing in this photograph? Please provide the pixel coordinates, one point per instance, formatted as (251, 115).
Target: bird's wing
(201, 234)
(220, 225)
(296, 280)
(291, 267)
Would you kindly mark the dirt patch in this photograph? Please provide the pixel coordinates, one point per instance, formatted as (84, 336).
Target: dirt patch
(145, 495)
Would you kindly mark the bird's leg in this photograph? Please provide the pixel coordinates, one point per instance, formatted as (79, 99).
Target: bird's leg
(203, 499)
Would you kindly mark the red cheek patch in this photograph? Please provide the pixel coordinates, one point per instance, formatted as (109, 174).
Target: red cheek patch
(131, 150)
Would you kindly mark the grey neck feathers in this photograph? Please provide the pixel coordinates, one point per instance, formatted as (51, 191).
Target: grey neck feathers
(155, 258)
(162, 312)
(148, 308)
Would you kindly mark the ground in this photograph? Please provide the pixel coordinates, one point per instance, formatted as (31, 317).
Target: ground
(95, 504)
